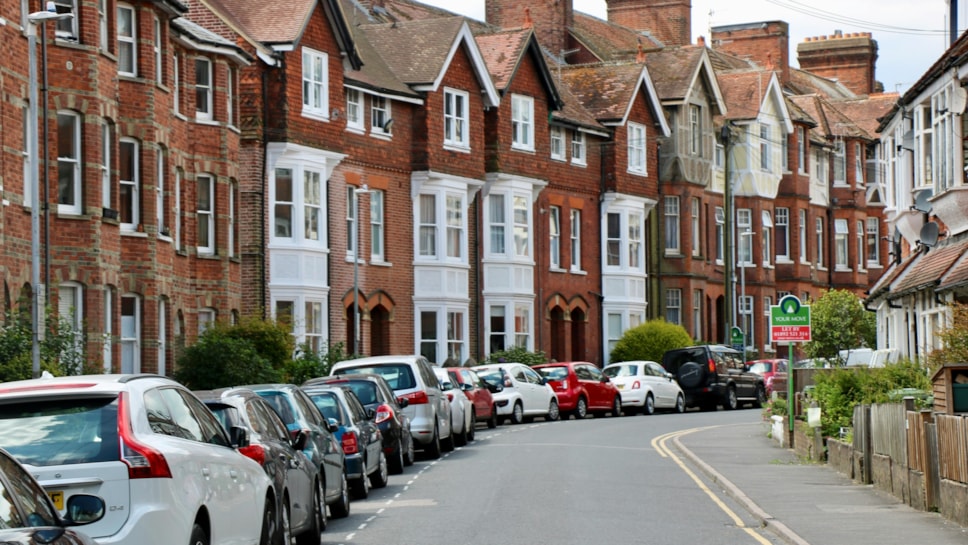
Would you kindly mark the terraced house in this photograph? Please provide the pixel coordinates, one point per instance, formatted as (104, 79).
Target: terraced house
(399, 179)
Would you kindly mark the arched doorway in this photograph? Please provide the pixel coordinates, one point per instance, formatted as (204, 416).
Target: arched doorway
(558, 331)
(379, 331)
(579, 332)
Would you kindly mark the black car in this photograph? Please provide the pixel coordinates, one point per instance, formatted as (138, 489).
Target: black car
(298, 488)
(27, 516)
(375, 394)
(712, 375)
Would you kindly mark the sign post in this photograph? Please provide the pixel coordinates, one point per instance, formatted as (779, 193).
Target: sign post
(736, 338)
(790, 323)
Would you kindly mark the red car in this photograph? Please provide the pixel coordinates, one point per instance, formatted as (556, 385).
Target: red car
(768, 369)
(582, 388)
(479, 392)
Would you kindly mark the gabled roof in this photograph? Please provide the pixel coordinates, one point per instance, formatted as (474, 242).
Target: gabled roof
(194, 35)
(575, 114)
(374, 75)
(929, 268)
(609, 41)
(747, 93)
(808, 83)
(420, 51)
(676, 71)
(608, 90)
(831, 122)
(867, 111)
(957, 275)
(798, 114)
(396, 11)
(503, 53)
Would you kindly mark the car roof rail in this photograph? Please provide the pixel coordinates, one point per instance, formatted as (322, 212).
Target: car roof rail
(124, 379)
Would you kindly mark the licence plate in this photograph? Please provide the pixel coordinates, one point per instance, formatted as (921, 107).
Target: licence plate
(57, 497)
(620, 386)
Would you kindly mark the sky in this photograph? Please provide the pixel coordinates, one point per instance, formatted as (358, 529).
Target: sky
(910, 35)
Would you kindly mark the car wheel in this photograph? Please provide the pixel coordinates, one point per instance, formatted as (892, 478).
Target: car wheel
(318, 523)
(760, 397)
(730, 402)
(517, 413)
(361, 485)
(473, 429)
(340, 509)
(460, 439)
(409, 456)
(649, 406)
(270, 523)
(199, 536)
(492, 421)
(553, 412)
(397, 462)
(380, 477)
(285, 524)
(617, 407)
(581, 409)
(434, 448)
(680, 404)
(447, 445)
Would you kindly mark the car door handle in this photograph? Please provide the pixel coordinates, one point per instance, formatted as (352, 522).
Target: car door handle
(206, 472)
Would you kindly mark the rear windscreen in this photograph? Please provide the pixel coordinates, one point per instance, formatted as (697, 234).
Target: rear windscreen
(398, 376)
(365, 390)
(56, 432)
(553, 373)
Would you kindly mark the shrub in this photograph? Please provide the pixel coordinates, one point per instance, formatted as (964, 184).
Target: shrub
(649, 341)
(309, 364)
(218, 360)
(61, 350)
(271, 339)
(517, 354)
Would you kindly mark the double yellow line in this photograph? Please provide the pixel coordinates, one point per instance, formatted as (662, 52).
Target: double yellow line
(660, 445)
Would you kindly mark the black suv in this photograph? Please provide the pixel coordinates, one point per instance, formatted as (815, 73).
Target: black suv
(712, 375)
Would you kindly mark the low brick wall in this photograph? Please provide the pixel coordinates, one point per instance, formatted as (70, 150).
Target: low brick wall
(840, 457)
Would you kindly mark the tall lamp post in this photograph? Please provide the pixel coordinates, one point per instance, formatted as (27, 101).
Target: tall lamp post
(36, 309)
(356, 267)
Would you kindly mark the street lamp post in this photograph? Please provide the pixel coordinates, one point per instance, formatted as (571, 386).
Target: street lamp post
(36, 307)
(357, 337)
(742, 282)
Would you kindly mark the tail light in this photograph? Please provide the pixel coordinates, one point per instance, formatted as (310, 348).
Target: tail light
(712, 366)
(350, 443)
(383, 413)
(417, 398)
(507, 381)
(256, 452)
(636, 385)
(143, 461)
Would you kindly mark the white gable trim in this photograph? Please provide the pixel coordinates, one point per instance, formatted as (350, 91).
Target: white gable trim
(464, 36)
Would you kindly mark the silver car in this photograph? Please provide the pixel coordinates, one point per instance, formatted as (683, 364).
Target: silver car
(412, 378)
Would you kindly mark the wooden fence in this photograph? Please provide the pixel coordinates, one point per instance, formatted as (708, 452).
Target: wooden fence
(952, 433)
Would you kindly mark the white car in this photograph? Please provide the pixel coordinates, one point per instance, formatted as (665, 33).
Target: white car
(462, 417)
(526, 393)
(645, 386)
(145, 444)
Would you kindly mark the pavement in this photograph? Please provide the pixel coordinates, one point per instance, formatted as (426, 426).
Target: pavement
(807, 503)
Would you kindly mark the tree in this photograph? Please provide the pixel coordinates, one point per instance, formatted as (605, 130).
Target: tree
(954, 339)
(838, 322)
(649, 341)
(252, 351)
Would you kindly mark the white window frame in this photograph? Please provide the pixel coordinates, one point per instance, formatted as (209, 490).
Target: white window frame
(354, 110)
(624, 248)
(205, 216)
(279, 203)
(695, 207)
(315, 84)
(29, 140)
(840, 162)
(518, 323)
(107, 352)
(233, 219)
(579, 149)
(635, 248)
(509, 228)
(162, 346)
(673, 306)
(766, 147)
(204, 104)
(441, 216)
(307, 196)
(426, 225)
(859, 165)
(859, 237)
(747, 320)
(352, 209)
(129, 209)
(672, 233)
(801, 150)
(313, 321)
(522, 122)
(802, 229)
(873, 250)
(697, 298)
(130, 333)
(206, 319)
(841, 244)
(695, 130)
(720, 217)
(103, 39)
(613, 240)
(67, 29)
(231, 96)
(557, 136)
(176, 208)
(782, 234)
(576, 240)
(637, 155)
(744, 243)
(70, 310)
(450, 334)
(176, 84)
(554, 237)
(104, 166)
(818, 231)
(456, 118)
(312, 195)
(377, 225)
(161, 211)
(380, 116)
(766, 239)
(73, 162)
(157, 49)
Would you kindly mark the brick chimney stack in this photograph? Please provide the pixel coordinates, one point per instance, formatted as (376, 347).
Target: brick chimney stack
(766, 43)
(551, 19)
(669, 21)
(849, 58)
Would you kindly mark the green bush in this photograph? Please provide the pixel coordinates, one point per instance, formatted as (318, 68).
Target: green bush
(218, 360)
(308, 364)
(517, 354)
(649, 341)
(61, 350)
(271, 339)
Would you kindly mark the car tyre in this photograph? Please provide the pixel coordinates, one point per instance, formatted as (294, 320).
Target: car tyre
(473, 429)
(340, 509)
(680, 404)
(409, 456)
(492, 421)
(434, 448)
(199, 536)
(270, 523)
(381, 476)
(397, 462)
(447, 445)
(649, 406)
(361, 485)
(617, 407)
(731, 402)
(517, 413)
(285, 533)
(554, 414)
(460, 439)
(312, 535)
(581, 409)
(760, 397)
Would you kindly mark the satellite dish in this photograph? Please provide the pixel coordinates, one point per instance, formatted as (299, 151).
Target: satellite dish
(959, 98)
(929, 234)
(921, 203)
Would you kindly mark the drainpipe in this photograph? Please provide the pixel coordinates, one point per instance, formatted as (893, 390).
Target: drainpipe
(262, 204)
(724, 137)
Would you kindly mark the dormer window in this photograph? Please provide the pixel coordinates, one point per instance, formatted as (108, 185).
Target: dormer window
(315, 80)
(636, 149)
(578, 148)
(380, 120)
(522, 122)
(456, 118)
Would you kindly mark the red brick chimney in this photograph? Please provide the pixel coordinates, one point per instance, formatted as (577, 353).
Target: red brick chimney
(849, 58)
(551, 19)
(669, 21)
(766, 43)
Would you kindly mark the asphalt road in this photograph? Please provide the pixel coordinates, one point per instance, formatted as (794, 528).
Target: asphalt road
(599, 480)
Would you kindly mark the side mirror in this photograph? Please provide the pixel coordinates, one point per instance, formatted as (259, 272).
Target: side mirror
(300, 439)
(370, 413)
(239, 437)
(466, 387)
(332, 426)
(83, 509)
(495, 388)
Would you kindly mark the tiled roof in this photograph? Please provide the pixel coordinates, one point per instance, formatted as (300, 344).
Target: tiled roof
(574, 112)
(673, 70)
(374, 74)
(883, 284)
(394, 11)
(608, 41)
(502, 51)
(798, 114)
(262, 19)
(930, 267)
(808, 83)
(605, 90)
(957, 275)
(867, 111)
(744, 92)
(415, 50)
(831, 123)
(721, 60)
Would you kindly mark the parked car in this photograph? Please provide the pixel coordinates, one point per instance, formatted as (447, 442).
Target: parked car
(149, 448)
(581, 388)
(462, 417)
(357, 433)
(29, 517)
(768, 369)
(412, 378)
(479, 392)
(526, 394)
(375, 394)
(645, 386)
(300, 415)
(299, 496)
(714, 374)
